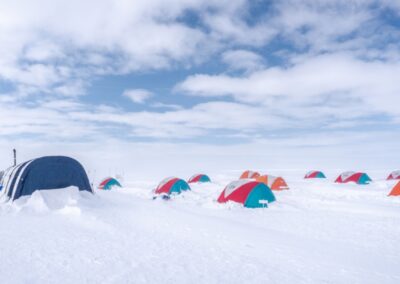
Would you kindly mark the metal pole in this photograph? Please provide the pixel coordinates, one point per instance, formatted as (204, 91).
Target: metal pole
(15, 157)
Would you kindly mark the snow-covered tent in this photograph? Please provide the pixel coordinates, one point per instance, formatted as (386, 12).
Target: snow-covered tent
(396, 190)
(45, 173)
(315, 174)
(357, 177)
(249, 174)
(394, 175)
(109, 183)
(273, 182)
(172, 185)
(252, 194)
(199, 178)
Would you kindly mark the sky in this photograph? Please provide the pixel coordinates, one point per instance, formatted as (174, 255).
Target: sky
(177, 85)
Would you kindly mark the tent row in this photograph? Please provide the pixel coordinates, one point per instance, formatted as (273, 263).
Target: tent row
(273, 182)
(357, 177)
(255, 190)
(54, 172)
(174, 185)
(169, 185)
(346, 177)
(252, 189)
(251, 194)
(277, 183)
(47, 173)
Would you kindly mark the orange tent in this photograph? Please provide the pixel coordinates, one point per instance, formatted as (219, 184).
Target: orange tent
(396, 190)
(274, 183)
(249, 174)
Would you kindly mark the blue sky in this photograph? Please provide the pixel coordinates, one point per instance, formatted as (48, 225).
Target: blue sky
(207, 73)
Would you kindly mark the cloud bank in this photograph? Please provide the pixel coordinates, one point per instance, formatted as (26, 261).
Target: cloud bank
(244, 71)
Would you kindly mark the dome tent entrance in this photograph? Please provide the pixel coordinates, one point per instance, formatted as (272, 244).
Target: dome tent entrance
(45, 173)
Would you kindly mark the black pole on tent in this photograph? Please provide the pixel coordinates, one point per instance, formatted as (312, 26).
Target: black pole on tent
(15, 157)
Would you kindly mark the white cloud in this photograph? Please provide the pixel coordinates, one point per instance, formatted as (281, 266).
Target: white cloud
(95, 38)
(43, 51)
(100, 38)
(337, 68)
(372, 84)
(82, 121)
(71, 88)
(35, 75)
(188, 123)
(166, 106)
(138, 96)
(243, 60)
(329, 150)
(309, 23)
(229, 26)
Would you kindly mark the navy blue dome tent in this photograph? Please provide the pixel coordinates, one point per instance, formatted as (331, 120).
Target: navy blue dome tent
(52, 172)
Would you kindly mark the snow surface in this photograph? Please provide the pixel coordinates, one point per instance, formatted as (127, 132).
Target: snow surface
(316, 232)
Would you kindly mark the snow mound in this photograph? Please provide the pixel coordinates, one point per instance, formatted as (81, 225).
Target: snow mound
(65, 201)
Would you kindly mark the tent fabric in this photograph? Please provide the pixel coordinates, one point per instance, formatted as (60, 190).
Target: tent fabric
(357, 177)
(45, 173)
(109, 183)
(315, 174)
(249, 174)
(251, 194)
(273, 182)
(199, 178)
(172, 185)
(394, 175)
(396, 190)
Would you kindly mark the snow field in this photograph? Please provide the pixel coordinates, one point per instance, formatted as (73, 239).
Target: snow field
(316, 232)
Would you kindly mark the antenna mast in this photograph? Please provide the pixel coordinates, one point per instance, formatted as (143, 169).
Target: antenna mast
(15, 157)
